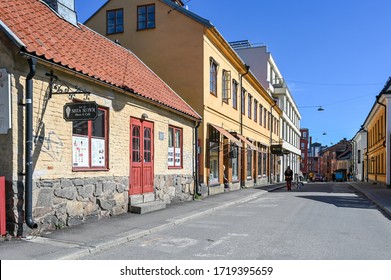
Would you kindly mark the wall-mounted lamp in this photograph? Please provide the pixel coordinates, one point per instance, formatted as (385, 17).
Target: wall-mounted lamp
(144, 116)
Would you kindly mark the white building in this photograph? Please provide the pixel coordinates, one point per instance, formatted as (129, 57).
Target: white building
(359, 142)
(262, 65)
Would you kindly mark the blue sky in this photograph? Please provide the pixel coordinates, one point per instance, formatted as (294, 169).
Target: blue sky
(335, 54)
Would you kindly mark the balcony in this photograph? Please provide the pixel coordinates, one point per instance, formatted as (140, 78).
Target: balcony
(278, 83)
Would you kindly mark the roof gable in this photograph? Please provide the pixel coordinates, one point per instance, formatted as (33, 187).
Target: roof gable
(46, 35)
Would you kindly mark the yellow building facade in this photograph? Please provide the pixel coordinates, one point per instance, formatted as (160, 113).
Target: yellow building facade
(240, 119)
(375, 160)
(377, 127)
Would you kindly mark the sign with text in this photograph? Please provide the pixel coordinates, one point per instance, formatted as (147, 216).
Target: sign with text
(5, 101)
(80, 111)
(276, 149)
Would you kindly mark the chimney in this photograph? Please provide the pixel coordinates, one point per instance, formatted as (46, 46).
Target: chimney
(65, 8)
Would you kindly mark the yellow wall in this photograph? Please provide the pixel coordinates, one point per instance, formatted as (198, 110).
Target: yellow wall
(173, 50)
(377, 146)
(179, 51)
(53, 135)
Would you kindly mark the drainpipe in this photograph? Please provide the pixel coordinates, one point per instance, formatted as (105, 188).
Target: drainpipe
(385, 130)
(366, 175)
(196, 163)
(29, 146)
(271, 142)
(242, 106)
(241, 92)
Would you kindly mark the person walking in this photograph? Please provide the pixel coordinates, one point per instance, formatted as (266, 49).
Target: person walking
(288, 178)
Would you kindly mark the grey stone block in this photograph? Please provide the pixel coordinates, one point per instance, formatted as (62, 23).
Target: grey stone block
(147, 207)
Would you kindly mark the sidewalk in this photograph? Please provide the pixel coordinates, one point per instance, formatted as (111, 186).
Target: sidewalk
(82, 240)
(380, 195)
(85, 239)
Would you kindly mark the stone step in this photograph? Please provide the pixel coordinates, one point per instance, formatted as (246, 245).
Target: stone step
(147, 207)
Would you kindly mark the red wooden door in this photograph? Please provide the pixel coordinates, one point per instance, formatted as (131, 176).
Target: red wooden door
(141, 157)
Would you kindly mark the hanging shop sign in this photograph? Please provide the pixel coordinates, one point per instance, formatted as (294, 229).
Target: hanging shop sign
(80, 111)
(276, 149)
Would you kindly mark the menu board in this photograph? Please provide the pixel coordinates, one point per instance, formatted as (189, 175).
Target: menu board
(80, 151)
(170, 156)
(98, 152)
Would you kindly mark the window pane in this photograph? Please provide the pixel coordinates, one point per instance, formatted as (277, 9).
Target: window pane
(249, 162)
(136, 144)
(111, 15)
(98, 125)
(259, 163)
(80, 127)
(120, 21)
(170, 137)
(235, 166)
(214, 145)
(170, 159)
(213, 77)
(177, 138)
(234, 94)
(147, 145)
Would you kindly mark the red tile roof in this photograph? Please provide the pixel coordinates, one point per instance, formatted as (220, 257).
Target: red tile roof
(52, 38)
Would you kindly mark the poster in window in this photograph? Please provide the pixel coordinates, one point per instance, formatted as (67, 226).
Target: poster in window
(178, 157)
(80, 151)
(98, 152)
(171, 156)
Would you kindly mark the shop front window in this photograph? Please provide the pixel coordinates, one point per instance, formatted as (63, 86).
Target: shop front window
(214, 148)
(235, 164)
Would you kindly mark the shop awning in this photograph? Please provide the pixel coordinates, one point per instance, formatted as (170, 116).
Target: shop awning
(249, 144)
(228, 135)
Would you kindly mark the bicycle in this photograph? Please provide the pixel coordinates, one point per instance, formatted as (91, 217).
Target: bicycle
(298, 184)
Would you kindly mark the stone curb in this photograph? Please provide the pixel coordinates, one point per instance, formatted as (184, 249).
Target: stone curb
(92, 249)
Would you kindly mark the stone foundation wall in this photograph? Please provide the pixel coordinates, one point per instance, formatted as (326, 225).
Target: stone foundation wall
(174, 188)
(67, 202)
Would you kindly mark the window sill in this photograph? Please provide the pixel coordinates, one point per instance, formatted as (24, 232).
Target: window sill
(85, 169)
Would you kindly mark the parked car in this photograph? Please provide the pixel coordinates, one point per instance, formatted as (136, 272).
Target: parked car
(318, 178)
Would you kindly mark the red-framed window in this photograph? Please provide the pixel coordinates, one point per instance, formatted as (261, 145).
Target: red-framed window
(175, 147)
(90, 143)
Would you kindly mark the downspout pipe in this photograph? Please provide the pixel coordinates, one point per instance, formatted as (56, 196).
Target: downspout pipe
(196, 162)
(242, 107)
(385, 130)
(241, 92)
(29, 146)
(367, 161)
